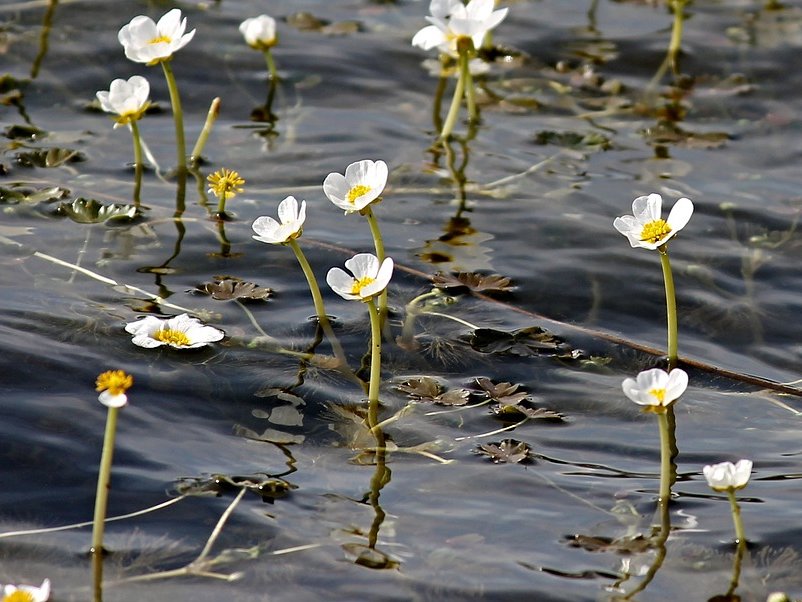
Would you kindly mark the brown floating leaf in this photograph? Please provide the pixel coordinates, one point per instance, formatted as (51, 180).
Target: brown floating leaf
(591, 543)
(508, 451)
(51, 157)
(478, 283)
(231, 288)
(591, 141)
(531, 413)
(503, 393)
(429, 390)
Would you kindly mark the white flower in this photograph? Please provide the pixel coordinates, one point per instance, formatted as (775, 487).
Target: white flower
(451, 20)
(362, 184)
(292, 223)
(128, 99)
(259, 32)
(181, 332)
(112, 385)
(148, 42)
(368, 280)
(656, 387)
(645, 228)
(727, 475)
(26, 593)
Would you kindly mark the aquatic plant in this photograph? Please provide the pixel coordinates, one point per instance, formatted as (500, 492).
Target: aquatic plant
(648, 230)
(657, 390)
(178, 332)
(459, 29)
(27, 593)
(260, 34)
(225, 184)
(369, 277)
(148, 42)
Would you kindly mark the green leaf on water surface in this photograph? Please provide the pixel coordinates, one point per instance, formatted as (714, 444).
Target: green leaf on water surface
(267, 487)
(23, 132)
(429, 390)
(591, 141)
(526, 342)
(20, 193)
(227, 289)
(49, 157)
(478, 283)
(508, 451)
(91, 211)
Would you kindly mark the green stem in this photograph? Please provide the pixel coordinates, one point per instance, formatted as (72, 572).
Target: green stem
(320, 309)
(221, 205)
(203, 137)
(671, 307)
(675, 45)
(470, 91)
(740, 540)
(665, 458)
(740, 537)
(138, 164)
(378, 242)
(271, 64)
(178, 116)
(103, 482)
(453, 111)
(375, 364)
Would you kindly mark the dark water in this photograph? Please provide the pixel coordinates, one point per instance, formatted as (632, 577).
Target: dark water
(465, 530)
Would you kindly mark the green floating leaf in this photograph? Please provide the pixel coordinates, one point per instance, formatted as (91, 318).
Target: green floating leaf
(508, 451)
(526, 342)
(591, 141)
(23, 132)
(267, 487)
(19, 193)
(50, 157)
(91, 211)
(227, 289)
(478, 283)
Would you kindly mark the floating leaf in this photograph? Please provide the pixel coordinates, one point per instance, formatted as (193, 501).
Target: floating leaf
(51, 157)
(592, 141)
(429, 390)
(267, 487)
(503, 393)
(509, 451)
(19, 193)
(91, 211)
(625, 545)
(371, 558)
(228, 289)
(531, 413)
(478, 283)
(526, 342)
(667, 132)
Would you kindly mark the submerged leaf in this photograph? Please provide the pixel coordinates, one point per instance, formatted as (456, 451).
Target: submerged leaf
(581, 141)
(526, 342)
(267, 487)
(478, 283)
(227, 289)
(508, 451)
(625, 545)
(91, 211)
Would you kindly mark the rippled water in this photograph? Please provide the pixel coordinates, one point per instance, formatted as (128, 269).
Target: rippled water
(540, 214)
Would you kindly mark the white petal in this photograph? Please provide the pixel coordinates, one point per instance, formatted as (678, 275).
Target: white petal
(647, 208)
(680, 214)
(112, 401)
(336, 189)
(385, 273)
(288, 210)
(676, 384)
(341, 283)
(743, 470)
(631, 390)
(363, 265)
(429, 37)
(266, 229)
(170, 23)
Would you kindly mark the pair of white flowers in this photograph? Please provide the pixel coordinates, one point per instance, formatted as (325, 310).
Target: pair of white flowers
(452, 21)
(361, 185)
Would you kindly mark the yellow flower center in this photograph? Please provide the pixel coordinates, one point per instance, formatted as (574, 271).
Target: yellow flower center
(361, 283)
(115, 382)
(654, 231)
(225, 183)
(660, 394)
(171, 337)
(357, 191)
(19, 596)
(160, 39)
